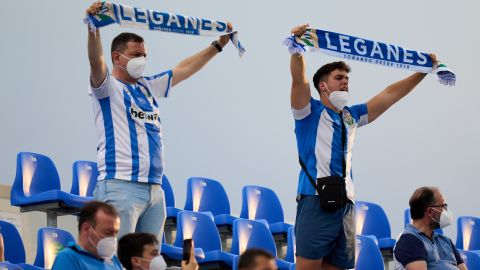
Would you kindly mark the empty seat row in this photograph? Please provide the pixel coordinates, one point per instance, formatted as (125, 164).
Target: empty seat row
(49, 242)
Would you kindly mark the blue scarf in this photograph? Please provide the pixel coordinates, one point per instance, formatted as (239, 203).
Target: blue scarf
(127, 16)
(368, 51)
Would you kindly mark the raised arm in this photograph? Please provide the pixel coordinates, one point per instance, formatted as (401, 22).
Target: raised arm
(300, 94)
(194, 63)
(98, 68)
(393, 93)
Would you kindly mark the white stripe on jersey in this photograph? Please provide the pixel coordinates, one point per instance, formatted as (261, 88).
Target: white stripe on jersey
(323, 146)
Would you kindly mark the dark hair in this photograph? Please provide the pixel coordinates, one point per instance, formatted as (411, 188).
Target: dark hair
(247, 259)
(327, 69)
(119, 43)
(89, 211)
(131, 245)
(421, 199)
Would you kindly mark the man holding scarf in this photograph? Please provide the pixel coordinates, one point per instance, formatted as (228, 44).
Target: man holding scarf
(325, 131)
(130, 148)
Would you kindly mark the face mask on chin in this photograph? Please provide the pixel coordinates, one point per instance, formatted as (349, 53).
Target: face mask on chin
(339, 99)
(135, 66)
(106, 247)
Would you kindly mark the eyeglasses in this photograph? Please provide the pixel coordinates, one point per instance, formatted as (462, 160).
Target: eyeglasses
(444, 206)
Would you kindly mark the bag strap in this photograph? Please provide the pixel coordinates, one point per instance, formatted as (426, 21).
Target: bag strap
(312, 181)
(344, 166)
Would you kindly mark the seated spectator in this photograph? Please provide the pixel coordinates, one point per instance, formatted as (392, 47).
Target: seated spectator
(257, 259)
(420, 247)
(98, 226)
(139, 251)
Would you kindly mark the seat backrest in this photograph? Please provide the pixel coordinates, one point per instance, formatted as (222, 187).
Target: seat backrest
(468, 233)
(371, 220)
(252, 234)
(200, 227)
(35, 174)
(471, 259)
(168, 191)
(14, 251)
(85, 174)
(261, 203)
(50, 241)
(205, 194)
(9, 266)
(291, 248)
(368, 256)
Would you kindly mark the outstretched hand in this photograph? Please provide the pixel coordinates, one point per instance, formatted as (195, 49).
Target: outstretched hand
(435, 60)
(300, 29)
(223, 40)
(94, 9)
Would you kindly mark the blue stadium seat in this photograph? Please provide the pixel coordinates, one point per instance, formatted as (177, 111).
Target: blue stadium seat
(205, 194)
(262, 203)
(172, 212)
(85, 174)
(14, 249)
(368, 255)
(407, 220)
(471, 259)
(291, 248)
(9, 266)
(468, 233)
(236, 260)
(372, 220)
(255, 234)
(200, 227)
(50, 241)
(37, 188)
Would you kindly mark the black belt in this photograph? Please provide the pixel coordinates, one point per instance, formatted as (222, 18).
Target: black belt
(301, 196)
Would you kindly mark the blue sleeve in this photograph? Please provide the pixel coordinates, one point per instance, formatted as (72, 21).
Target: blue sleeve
(359, 113)
(409, 249)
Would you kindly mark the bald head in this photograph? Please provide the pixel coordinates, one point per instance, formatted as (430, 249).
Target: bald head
(423, 198)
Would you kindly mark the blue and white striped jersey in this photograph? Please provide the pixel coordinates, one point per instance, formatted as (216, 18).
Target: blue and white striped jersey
(319, 141)
(129, 130)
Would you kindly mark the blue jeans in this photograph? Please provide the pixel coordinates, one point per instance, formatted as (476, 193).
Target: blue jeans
(141, 206)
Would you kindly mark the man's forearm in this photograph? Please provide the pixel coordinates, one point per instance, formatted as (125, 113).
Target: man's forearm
(193, 64)
(393, 93)
(96, 58)
(298, 69)
(401, 88)
(300, 94)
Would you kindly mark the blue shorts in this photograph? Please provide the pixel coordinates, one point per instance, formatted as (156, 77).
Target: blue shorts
(328, 235)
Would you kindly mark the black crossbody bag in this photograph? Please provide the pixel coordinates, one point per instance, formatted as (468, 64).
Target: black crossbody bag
(331, 189)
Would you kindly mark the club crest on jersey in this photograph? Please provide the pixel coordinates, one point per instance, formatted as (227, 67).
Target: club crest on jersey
(348, 119)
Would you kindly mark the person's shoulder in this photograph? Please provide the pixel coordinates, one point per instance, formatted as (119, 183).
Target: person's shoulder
(117, 263)
(409, 239)
(66, 257)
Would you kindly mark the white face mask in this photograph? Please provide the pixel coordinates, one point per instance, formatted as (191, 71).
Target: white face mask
(135, 66)
(157, 263)
(106, 247)
(446, 218)
(339, 99)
